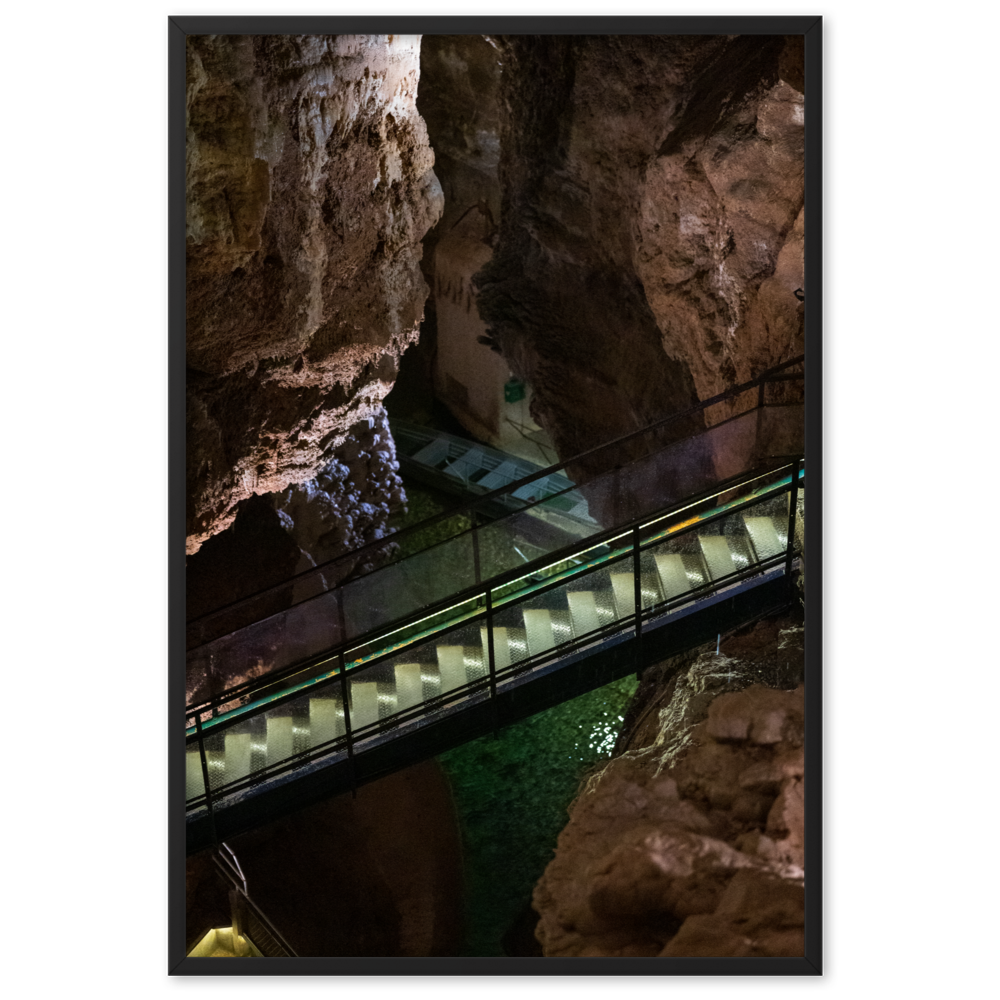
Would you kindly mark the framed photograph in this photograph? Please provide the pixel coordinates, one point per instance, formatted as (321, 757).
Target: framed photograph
(495, 366)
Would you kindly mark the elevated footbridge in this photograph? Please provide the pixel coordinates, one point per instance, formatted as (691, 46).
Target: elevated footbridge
(501, 637)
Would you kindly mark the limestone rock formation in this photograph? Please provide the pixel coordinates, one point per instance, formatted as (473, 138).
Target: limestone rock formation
(459, 101)
(692, 845)
(310, 186)
(650, 241)
(348, 503)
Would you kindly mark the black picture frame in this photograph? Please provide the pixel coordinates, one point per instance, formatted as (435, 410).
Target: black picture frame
(810, 27)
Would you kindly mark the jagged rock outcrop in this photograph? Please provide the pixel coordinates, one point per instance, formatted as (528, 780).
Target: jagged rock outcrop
(348, 503)
(310, 186)
(650, 241)
(459, 101)
(692, 845)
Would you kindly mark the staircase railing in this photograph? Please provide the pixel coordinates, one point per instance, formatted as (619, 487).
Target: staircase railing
(623, 583)
(249, 921)
(768, 390)
(630, 491)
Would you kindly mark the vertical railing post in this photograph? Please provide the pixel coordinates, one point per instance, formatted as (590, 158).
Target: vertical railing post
(211, 685)
(341, 619)
(204, 776)
(239, 923)
(793, 502)
(345, 697)
(616, 496)
(491, 658)
(637, 581)
(475, 551)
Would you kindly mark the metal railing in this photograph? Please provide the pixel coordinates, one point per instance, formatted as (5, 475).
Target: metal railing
(641, 443)
(486, 616)
(409, 588)
(249, 921)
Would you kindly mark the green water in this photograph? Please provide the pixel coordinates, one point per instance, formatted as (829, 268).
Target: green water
(511, 794)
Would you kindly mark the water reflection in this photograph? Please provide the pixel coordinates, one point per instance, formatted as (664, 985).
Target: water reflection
(511, 795)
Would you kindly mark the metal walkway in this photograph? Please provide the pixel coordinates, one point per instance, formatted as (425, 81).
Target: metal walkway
(462, 467)
(495, 651)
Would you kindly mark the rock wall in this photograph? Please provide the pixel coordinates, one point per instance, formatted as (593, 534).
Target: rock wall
(650, 240)
(310, 186)
(691, 841)
(468, 376)
(459, 101)
(348, 503)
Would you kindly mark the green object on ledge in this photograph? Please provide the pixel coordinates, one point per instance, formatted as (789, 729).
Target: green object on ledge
(513, 390)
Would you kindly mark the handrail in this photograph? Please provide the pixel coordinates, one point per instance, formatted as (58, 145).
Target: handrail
(233, 864)
(462, 596)
(470, 593)
(233, 874)
(767, 568)
(771, 374)
(484, 590)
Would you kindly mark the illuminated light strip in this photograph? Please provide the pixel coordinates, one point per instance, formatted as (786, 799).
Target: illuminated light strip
(767, 488)
(581, 569)
(758, 494)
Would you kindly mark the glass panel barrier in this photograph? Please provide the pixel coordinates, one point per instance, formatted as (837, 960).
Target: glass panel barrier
(194, 780)
(800, 522)
(405, 587)
(679, 470)
(501, 544)
(585, 602)
(782, 427)
(694, 563)
(732, 407)
(265, 647)
(785, 390)
(733, 445)
(681, 560)
(422, 678)
(399, 590)
(450, 614)
(413, 632)
(245, 747)
(724, 450)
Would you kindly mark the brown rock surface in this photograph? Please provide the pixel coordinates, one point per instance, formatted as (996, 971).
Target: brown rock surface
(310, 186)
(691, 843)
(651, 234)
(459, 101)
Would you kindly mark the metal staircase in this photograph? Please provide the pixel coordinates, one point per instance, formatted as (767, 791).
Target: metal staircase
(251, 934)
(462, 467)
(493, 652)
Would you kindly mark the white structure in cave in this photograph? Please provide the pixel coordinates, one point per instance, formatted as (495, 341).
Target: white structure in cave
(469, 376)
